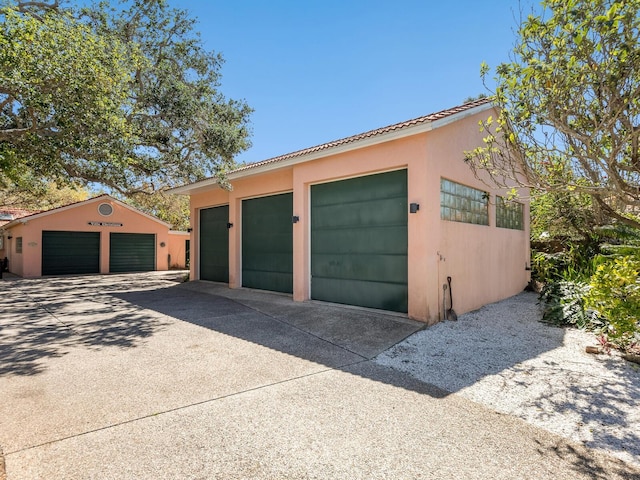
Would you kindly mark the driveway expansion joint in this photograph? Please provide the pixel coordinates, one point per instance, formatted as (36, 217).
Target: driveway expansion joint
(177, 409)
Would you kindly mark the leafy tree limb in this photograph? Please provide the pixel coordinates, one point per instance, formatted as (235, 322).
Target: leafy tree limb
(570, 100)
(126, 97)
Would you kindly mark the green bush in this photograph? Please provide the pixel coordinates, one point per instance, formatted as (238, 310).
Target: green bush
(614, 294)
(575, 264)
(564, 305)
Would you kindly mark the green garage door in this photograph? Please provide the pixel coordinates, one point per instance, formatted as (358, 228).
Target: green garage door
(359, 241)
(132, 252)
(267, 243)
(214, 244)
(66, 253)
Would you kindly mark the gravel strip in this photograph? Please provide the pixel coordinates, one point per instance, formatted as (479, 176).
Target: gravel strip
(503, 357)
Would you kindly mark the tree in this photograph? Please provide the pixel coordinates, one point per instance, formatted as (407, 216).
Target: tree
(173, 209)
(62, 99)
(569, 101)
(166, 122)
(45, 197)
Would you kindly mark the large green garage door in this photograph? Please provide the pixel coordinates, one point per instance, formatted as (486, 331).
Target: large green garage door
(359, 241)
(214, 244)
(132, 252)
(267, 243)
(66, 253)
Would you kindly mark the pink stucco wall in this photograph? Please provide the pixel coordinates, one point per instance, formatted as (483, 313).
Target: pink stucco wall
(486, 263)
(15, 259)
(77, 218)
(177, 248)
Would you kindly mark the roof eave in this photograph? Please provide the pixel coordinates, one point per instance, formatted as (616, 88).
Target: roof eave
(362, 143)
(196, 187)
(268, 166)
(53, 211)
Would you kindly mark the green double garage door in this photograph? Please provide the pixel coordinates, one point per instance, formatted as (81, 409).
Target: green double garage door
(65, 253)
(358, 242)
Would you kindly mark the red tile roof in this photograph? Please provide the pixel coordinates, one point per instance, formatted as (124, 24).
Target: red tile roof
(7, 214)
(371, 133)
(424, 122)
(89, 200)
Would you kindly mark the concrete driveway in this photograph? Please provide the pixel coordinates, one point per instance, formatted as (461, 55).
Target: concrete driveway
(139, 376)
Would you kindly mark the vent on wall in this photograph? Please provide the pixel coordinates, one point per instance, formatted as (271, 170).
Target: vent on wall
(105, 209)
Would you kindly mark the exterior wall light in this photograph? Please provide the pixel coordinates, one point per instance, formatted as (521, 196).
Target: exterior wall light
(295, 219)
(229, 225)
(414, 207)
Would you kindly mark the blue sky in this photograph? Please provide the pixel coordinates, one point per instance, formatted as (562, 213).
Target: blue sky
(316, 71)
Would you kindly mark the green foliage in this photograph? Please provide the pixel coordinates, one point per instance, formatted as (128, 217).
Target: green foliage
(123, 95)
(473, 98)
(186, 129)
(63, 93)
(569, 103)
(563, 214)
(574, 263)
(564, 304)
(614, 295)
(595, 286)
(43, 196)
(173, 209)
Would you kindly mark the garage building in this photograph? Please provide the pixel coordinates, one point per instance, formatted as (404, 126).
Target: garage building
(99, 235)
(378, 220)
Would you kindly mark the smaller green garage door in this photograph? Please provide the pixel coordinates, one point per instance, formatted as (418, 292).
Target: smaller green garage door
(132, 252)
(65, 253)
(267, 243)
(214, 244)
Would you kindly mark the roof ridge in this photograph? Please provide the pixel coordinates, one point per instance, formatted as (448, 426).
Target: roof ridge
(34, 213)
(87, 201)
(370, 133)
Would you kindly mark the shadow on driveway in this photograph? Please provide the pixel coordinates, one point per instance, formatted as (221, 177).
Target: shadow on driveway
(34, 317)
(126, 311)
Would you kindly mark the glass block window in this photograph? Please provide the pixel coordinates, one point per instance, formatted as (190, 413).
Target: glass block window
(460, 203)
(509, 214)
(19, 245)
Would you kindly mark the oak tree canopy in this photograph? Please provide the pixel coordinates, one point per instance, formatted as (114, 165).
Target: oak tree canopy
(126, 97)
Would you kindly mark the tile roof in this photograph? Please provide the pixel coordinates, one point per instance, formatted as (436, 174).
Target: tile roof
(103, 196)
(7, 214)
(416, 125)
(371, 133)
(52, 210)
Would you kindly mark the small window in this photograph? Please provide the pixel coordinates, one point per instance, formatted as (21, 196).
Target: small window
(105, 209)
(459, 203)
(509, 214)
(19, 245)
(1, 242)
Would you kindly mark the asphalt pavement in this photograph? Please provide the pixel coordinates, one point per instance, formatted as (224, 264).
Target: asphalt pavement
(141, 376)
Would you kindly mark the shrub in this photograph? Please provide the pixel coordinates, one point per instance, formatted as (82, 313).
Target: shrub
(564, 305)
(575, 263)
(614, 294)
